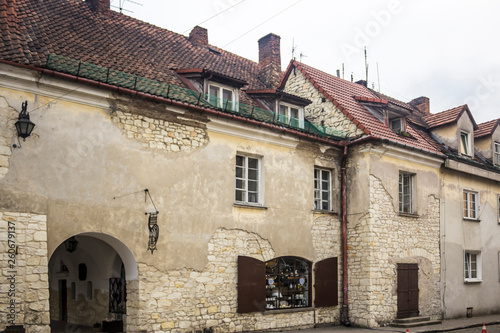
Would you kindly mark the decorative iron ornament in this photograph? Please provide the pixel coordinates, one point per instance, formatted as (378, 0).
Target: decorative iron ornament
(154, 231)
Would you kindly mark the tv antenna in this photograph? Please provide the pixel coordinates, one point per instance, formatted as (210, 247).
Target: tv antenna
(121, 4)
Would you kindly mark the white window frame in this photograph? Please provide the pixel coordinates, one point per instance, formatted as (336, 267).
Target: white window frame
(496, 153)
(220, 94)
(465, 146)
(470, 204)
(287, 118)
(401, 124)
(242, 177)
(319, 189)
(406, 206)
(472, 266)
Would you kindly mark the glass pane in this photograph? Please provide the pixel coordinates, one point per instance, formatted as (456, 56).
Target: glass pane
(240, 184)
(227, 94)
(253, 186)
(240, 160)
(325, 205)
(325, 196)
(253, 163)
(239, 172)
(253, 197)
(294, 113)
(325, 175)
(239, 195)
(253, 174)
(283, 110)
(465, 143)
(317, 204)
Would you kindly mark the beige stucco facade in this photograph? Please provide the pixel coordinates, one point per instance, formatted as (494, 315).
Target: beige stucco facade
(85, 169)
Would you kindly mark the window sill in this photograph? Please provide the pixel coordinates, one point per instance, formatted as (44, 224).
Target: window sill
(471, 220)
(290, 310)
(414, 215)
(322, 211)
(473, 281)
(249, 205)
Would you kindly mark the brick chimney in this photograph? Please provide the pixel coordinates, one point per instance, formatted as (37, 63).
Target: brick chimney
(421, 103)
(199, 36)
(270, 60)
(100, 6)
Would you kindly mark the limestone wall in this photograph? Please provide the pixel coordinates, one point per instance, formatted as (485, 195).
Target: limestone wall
(159, 133)
(321, 111)
(24, 293)
(188, 300)
(380, 240)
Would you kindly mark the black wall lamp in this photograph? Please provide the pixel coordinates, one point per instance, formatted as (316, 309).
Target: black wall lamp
(24, 126)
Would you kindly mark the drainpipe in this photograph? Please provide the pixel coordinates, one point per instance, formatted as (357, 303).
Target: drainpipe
(345, 312)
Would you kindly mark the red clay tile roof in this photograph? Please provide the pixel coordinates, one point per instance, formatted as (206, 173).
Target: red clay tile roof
(448, 117)
(71, 28)
(486, 128)
(346, 95)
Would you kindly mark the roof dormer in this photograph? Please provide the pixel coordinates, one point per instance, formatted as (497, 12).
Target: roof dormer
(455, 128)
(220, 90)
(391, 114)
(288, 109)
(487, 140)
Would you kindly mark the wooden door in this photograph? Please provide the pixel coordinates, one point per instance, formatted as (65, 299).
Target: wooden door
(407, 290)
(63, 301)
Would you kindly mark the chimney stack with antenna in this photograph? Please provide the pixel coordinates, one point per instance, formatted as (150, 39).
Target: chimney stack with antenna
(100, 6)
(199, 36)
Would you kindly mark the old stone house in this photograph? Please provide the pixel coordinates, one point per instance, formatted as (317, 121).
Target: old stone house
(171, 186)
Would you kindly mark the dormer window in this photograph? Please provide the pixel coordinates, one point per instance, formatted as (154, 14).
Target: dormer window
(496, 154)
(291, 115)
(222, 96)
(465, 143)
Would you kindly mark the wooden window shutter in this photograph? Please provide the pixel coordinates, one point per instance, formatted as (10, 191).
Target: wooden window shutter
(326, 291)
(251, 285)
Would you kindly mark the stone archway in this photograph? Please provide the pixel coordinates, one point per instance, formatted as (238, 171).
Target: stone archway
(80, 282)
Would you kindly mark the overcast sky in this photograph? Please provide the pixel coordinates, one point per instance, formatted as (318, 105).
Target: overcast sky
(446, 50)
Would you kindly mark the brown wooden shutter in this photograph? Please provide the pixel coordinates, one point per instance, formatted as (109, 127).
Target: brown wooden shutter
(251, 285)
(326, 283)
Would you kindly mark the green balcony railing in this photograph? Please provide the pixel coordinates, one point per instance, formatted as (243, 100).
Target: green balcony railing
(173, 92)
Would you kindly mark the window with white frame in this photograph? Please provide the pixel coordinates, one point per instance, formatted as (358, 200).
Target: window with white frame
(471, 204)
(396, 124)
(322, 189)
(496, 154)
(291, 114)
(472, 266)
(406, 188)
(222, 96)
(465, 143)
(248, 180)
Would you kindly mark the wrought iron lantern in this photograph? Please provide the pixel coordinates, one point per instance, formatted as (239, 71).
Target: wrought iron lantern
(24, 125)
(70, 244)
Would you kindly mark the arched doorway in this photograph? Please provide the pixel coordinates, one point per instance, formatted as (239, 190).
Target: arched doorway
(88, 276)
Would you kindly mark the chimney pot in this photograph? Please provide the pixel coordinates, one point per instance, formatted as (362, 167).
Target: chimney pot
(421, 103)
(199, 36)
(100, 6)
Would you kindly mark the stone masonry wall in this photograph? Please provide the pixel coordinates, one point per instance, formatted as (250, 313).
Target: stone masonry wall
(189, 301)
(24, 291)
(380, 240)
(321, 111)
(8, 117)
(160, 134)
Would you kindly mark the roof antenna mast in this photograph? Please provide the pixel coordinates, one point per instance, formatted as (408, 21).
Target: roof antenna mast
(378, 78)
(293, 48)
(366, 68)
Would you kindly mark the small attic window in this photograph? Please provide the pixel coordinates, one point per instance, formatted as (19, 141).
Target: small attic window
(496, 154)
(290, 114)
(465, 144)
(222, 96)
(396, 124)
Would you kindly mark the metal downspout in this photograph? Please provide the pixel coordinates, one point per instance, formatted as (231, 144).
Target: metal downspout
(345, 308)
